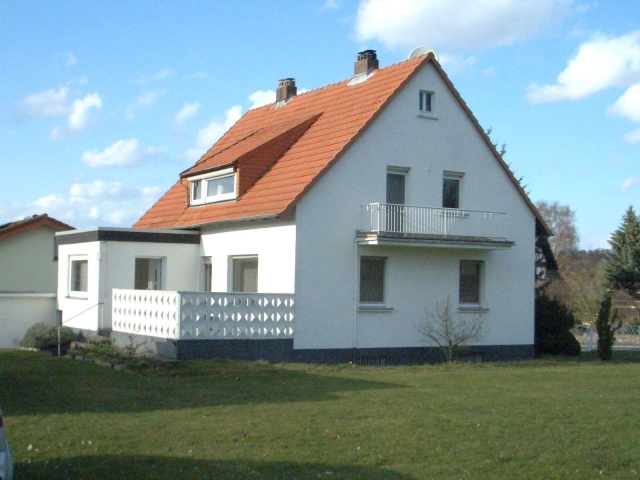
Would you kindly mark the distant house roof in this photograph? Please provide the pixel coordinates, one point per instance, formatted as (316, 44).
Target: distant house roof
(280, 153)
(15, 228)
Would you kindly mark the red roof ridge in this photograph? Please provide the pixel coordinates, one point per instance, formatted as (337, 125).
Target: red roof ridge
(29, 223)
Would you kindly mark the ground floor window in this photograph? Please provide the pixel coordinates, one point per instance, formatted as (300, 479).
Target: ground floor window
(244, 274)
(208, 272)
(372, 279)
(470, 279)
(148, 274)
(79, 278)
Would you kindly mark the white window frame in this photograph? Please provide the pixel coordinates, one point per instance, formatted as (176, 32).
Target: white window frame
(207, 274)
(232, 271)
(72, 278)
(369, 305)
(204, 180)
(481, 276)
(422, 110)
(459, 176)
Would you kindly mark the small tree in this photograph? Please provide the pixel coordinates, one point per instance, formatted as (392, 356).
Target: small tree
(448, 333)
(606, 326)
(622, 267)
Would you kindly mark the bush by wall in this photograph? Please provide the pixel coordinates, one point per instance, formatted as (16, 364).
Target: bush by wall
(45, 337)
(553, 320)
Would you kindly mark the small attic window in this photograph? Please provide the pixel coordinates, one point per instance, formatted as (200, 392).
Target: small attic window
(426, 103)
(213, 187)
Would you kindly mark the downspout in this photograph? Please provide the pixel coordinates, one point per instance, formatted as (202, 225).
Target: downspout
(355, 304)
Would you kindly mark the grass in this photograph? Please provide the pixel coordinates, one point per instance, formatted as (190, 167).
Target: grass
(239, 420)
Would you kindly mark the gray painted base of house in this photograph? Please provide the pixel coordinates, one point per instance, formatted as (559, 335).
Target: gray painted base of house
(281, 350)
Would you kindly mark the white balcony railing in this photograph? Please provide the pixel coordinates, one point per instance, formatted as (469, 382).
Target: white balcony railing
(407, 219)
(202, 315)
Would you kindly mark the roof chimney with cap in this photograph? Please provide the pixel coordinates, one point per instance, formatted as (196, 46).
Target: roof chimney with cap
(285, 91)
(366, 63)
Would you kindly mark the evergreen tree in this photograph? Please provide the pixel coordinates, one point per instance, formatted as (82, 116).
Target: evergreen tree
(622, 267)
(606, 326)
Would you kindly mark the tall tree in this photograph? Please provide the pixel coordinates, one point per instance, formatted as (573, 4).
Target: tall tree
(622, 267)
(561, 219)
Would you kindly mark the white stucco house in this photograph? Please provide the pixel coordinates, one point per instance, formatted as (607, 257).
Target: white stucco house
(319, 228)
(28, 275)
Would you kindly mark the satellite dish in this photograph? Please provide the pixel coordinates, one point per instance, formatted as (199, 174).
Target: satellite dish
(419, 51)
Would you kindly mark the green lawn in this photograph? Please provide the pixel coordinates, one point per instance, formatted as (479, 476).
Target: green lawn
(226, 420)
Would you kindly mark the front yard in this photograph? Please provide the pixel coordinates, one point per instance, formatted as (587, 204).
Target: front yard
(235, 420)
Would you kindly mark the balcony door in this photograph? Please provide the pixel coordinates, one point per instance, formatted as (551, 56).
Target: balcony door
(396, 193)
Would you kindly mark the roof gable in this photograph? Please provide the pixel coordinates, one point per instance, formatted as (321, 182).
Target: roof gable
(21, 226)
(285, 151)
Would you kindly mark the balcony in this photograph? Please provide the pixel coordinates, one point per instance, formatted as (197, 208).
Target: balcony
(202, 315)
(386, 224)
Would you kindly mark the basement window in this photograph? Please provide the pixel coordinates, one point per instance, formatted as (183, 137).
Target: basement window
(213, 187)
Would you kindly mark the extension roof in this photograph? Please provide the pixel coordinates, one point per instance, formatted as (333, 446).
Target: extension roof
(280, 153)
(16, 228)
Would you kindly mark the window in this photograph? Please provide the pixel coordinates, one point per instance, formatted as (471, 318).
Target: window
(244, 274)
(470, 275)
(79, 276)
(148, 274)
(372, 279)
(208, 272)
(396, 193)
(451, 190)
(425, 102)
(214, 187)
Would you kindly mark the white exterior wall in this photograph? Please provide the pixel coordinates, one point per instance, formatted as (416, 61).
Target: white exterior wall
(19, 311)
(273, 242)
(26, 262)
(112, 265)
(416, 277)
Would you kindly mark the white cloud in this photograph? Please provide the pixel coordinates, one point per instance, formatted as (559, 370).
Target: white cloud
(145, 100)
(262, 97)
(89, 204)
(122, 153)
(628, 105)
(331, 5)
(52, 103)
(161, 75)
(457, 26)
(629, 183)
(211, 133)
(80, 111)
(71, 59)
(632, 137)
(601, 62)
(187, 111)
(455, 64)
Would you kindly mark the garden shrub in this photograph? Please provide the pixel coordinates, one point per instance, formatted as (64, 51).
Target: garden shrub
(553, 320)
(45, 337)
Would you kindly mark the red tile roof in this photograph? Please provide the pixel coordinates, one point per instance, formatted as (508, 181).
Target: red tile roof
(15, 228)
(280, 153)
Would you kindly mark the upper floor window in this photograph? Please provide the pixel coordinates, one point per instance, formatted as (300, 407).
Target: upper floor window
(451, 190)
(426, 103)
(213, 187)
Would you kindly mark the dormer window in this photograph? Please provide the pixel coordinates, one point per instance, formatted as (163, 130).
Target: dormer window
(213, 187)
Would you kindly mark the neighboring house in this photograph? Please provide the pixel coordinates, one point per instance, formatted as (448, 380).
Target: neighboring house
(319, 228)
(28, 275)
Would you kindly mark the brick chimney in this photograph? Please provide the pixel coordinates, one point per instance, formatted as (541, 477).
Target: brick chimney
(366, 63)
(286, 89)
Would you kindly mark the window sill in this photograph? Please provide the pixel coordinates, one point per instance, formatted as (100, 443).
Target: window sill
(432, 116)
(472, 309)
(374, 308)
(76, 296)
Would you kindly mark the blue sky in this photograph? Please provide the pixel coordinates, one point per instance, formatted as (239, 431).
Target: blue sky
(102, 104)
